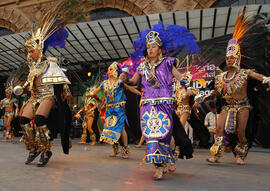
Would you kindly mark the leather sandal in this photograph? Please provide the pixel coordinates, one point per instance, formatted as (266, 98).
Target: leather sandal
(44, 159)
(32, 155)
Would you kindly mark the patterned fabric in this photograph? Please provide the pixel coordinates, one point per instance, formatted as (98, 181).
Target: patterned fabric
(181, 109)
(226, 87)
(156, 112)
(233, 110)
(115, 116)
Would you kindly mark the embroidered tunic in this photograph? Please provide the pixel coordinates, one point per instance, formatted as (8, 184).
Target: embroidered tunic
(115, 115)
(157, 109)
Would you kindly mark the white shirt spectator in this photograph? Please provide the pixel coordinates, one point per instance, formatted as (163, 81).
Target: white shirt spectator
(210, 122)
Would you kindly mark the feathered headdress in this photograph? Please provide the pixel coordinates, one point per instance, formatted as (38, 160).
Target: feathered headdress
(17, 77)
(115, 68)
(172, 39)
(49, 30)
(242, 26)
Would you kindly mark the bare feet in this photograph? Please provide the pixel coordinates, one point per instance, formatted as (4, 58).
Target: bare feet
(125, 152)
(158, 173)
(239, 161)
(213, 159)
(125, 156)
(93, 143)
(115, 151)
(138, 146)
(172, 167)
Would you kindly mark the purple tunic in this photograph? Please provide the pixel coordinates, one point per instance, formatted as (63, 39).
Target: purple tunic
(156, 111)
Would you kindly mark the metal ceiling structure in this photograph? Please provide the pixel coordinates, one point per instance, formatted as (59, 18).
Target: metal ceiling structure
(96, 44)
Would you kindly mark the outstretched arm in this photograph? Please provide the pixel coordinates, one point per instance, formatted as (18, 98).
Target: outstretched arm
(133, 81)
(210, 96)
(133, 90)
(200, 99)
(177, 74)
(260, 77)
(192, 91)
(78, 115)
(88, 94)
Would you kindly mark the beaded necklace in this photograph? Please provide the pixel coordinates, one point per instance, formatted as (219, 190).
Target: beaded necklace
(110, 87)
(226, 86)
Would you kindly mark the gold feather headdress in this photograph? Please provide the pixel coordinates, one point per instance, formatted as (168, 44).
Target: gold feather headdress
(65, 12)
(241, 27)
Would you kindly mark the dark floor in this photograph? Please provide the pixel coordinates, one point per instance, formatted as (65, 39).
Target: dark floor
(90, 168)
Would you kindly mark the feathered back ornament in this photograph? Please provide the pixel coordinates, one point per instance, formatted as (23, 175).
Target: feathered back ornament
(49, 31)
(172, 38)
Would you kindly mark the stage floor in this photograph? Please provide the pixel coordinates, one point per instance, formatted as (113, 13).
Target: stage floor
(90, 168)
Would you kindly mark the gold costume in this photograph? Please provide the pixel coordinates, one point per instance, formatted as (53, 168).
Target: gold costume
(8, 115)
(226, 87)
(89, 112)
(180, 95)
(5, 103)
(51, 74)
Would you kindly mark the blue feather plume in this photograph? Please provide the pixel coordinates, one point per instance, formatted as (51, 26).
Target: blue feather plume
(56, 39)
(174, 38)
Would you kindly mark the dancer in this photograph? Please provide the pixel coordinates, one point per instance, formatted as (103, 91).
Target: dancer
(183, 96)
(9, 104)
(232, 86)
(115, 116)
(156, 73)
(89, 108)
(48, 83)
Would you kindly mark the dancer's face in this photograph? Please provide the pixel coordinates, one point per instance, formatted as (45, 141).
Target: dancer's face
(34, 54)
(230, 61)
(153, 51)
(110, 72)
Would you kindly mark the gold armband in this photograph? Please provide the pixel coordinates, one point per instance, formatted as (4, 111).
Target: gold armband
(265, 80)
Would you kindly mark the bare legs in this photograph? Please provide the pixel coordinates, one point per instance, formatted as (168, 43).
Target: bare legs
(87, 125)
(92, 134)
(140, 143)
(7, 124)
(125, 149)
(124, 137)
(183, 118)
(241, 149)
